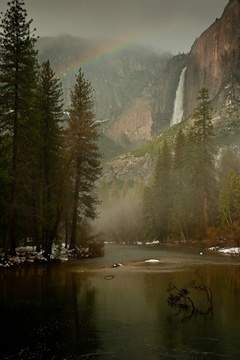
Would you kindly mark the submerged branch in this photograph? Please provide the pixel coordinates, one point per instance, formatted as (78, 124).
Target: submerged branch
(181, 297)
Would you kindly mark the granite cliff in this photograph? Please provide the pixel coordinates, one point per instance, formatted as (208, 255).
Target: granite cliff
(125, 83)
(134, 91)
(214, 61)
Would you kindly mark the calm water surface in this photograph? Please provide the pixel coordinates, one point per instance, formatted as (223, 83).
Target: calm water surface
(71, 311)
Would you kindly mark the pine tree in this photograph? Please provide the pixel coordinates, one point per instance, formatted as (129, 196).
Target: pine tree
(157, 199)
(163, 191)
(49, 104)
(181, 193)
(138, 189)
(115, 193)
(17, 84)
(229, 200)
(5, 191)
(148, 211)
(82, 135)
(103, 193)
(202, 160)
(179, 160)
(229, 161)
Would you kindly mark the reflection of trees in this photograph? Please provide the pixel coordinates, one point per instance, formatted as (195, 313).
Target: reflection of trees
(54, 314)
(81, 335)
(48, 313)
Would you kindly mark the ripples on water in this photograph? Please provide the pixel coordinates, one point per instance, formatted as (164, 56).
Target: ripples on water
(71, 311)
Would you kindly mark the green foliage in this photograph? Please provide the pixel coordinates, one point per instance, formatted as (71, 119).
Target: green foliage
(115, 193)
(152, 147)
(103, 193)
(82, 149)
(202, 162)
(43, 168)
(5, 191)
(229, 161)
(50, 115)
(149, 226)
(109, 148)
(229, 199)
(180, 202)
(18, 127)
(182, 189)
(158, 214)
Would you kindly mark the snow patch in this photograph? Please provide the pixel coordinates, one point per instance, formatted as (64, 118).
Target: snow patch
(153, 242)
(233, 250)
(152, 261)
(227, 251)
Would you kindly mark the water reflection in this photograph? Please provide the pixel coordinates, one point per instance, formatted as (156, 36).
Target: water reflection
(70, 312)
(48, 314)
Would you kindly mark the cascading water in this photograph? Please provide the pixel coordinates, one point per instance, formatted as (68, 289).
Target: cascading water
(178, 103)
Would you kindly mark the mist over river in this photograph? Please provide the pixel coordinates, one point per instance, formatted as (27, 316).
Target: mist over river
(88, 309)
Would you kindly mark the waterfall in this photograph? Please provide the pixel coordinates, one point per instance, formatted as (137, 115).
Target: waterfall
(178, 103)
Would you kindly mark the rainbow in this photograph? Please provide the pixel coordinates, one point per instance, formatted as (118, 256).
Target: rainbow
(97, 58)
(110, 51)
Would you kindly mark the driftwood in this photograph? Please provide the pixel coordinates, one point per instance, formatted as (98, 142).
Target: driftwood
(182, 299)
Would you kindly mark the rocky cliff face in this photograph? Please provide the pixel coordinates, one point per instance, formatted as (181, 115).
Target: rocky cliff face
(134, 92)
(124, 83)
(150, 113)
(127, 167)
(214, 59)
(132, 128)
(165, 87)
(214, 63)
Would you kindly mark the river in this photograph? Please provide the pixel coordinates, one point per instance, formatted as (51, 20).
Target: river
(87, 309)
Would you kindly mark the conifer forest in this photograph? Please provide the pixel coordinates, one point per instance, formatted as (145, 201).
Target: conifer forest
(51, 186)
(49, 157)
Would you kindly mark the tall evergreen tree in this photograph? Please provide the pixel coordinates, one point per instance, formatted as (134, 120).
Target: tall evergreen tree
(82, 135)
(163, 191)
(17, 84)
(181, 189)
(103, 193)
(229, 200)
(203, 161)
(229, 161)
(157, 199)
(148, 210)
(49, 104)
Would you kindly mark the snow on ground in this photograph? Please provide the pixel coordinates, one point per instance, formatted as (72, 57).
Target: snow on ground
(152, 261)
(227, 251)
(153, 242)
(28, 254)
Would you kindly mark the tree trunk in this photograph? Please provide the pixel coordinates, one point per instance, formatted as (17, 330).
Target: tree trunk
(75, 213)
(11, 236)
(205, 209)
(66, 233)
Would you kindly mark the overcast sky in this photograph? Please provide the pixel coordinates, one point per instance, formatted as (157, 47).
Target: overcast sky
(169, 25)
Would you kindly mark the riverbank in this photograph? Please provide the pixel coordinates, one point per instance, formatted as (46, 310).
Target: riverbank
(87, 309)
(26, 256)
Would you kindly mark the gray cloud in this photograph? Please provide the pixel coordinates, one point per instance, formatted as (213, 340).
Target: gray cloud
(167, 24)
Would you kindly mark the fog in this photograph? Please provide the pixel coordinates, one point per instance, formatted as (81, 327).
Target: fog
(171, 25)
(121, 223)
